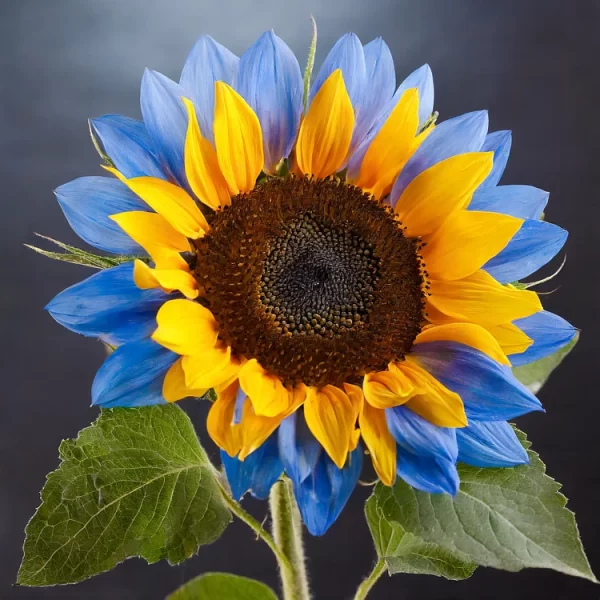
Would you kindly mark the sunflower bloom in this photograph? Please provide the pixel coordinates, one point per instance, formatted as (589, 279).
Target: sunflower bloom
(340, 275)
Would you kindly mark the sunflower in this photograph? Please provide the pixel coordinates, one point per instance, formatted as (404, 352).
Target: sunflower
(339, 269)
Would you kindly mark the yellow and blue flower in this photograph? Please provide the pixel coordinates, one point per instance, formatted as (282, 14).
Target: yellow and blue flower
(339, 273)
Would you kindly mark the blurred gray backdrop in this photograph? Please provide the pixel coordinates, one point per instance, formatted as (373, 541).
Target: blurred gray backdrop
(533, 64)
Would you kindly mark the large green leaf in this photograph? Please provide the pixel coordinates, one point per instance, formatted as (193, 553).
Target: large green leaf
(504, 518)
(535, 374)
(407, 553)
(135, 483)
(223, 586)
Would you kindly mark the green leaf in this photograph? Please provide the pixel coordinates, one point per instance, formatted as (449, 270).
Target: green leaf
(78, 256)
(535, 374)
(406, 553)
(504, 518)
(223, 586)
(135, 483)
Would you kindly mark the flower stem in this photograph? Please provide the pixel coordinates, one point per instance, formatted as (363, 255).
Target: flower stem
(261, 533)
(287, 531)
(365, 587)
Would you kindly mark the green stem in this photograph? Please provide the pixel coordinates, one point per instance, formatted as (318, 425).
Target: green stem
(365, 587)
(261, 533)
(287, 531)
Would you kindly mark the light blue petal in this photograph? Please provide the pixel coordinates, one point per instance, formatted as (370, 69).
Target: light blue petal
(133, 375)
(489, 390)
(240, 400)
(427, 474)
(535, 244)
(208, 62)
(348, 55)
(88, 202)
(166, 120)
(270, 80)
(521, 201)
(256, 473)
(498, 142)
(549, 333)
(455, 136)
(380, 82)
(298, 448)
(490, 444)
(422, 79)
(127, 143)
(418, 436)
(322, 496)
(108, 305)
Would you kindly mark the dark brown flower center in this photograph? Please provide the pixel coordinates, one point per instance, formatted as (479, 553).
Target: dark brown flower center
(314, 279)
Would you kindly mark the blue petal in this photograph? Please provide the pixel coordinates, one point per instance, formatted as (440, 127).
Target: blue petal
(490, 444)
(133, 375)
(455, 136)
(418, 436)
(208, 62)
(128, 145)
(298, 448)
(240, 400)
(257, 472)
(109, 306)
(88, 202)
(165, 117)
(549, 333)
(489, 390)
(498, 142)
(422, 79)
(380, 82)
(322, 496)
(535, 244)
(270, 80)
(348, 55)
(430, 475)
(521, 201)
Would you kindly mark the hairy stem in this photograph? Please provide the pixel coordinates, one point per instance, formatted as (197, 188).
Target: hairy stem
(287, 531)
(365, 587)
(261, 533)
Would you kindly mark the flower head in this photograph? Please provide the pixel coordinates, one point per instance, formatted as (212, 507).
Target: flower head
(340, 275)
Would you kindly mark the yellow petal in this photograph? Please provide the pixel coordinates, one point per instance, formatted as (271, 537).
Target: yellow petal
(201, 165)
(433, 195)
(326, 130)
(479, 298)
(512, 340)
(437, 403)
(170, 201)
(238, 139)
(379, 441)
(169, 280)
(185, 327)
(331, 417)
(255, 429)
(386, 389)
(211, 369)
(466, 241)
(155, 235)
(391, 148)
(174, 386)
(268, 395)
(219, 422)
(468, 334)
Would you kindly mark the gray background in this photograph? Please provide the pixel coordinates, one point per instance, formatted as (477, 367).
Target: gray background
(533, 64)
